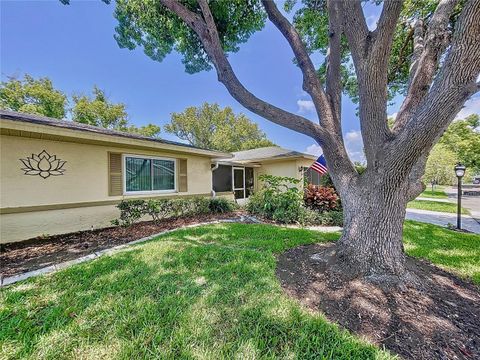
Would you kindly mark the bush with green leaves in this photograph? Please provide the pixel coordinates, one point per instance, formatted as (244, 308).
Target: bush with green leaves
(220, 205)
(130, 212)
(282, 200)
(158, 209)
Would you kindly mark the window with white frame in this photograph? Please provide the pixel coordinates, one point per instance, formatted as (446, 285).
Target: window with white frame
(149, 174)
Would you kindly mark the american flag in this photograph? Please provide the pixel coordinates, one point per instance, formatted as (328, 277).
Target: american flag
(320, 165)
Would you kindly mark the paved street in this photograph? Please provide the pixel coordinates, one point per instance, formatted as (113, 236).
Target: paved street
(472, 203)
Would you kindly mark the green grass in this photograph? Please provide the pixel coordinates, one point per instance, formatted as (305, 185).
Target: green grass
(438, 193)
(203, 293)
(453, 251)
(435, 206)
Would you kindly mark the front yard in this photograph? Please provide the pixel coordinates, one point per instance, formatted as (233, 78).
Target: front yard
(206, 293)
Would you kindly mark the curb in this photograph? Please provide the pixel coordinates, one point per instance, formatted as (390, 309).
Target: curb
(4, 281)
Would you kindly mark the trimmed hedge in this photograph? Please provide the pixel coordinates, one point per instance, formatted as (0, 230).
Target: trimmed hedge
(133, 210)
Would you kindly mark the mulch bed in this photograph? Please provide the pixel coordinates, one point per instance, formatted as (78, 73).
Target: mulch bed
(36, 253)
(439, 321)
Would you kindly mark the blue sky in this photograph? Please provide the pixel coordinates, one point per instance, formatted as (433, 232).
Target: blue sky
(74, 46)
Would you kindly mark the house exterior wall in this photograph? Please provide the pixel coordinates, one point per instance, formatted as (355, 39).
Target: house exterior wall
(287, 168)
(77, 200)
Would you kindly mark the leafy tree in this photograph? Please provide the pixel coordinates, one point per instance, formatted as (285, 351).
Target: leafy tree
(440, 164)
(212, 127)
(437, 75)
(99, 111)
(150, 130)
(34, 96)
(463, 138)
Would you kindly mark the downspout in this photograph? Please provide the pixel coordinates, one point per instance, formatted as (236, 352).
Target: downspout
(213, 169)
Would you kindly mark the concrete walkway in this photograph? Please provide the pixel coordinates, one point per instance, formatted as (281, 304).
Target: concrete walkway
(443, 219)
(435, 199)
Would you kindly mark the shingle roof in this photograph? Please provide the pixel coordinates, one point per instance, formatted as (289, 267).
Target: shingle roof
(72, 125)
(270, 152)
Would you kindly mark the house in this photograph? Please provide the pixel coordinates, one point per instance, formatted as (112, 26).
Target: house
(60, 176)
(241, 172)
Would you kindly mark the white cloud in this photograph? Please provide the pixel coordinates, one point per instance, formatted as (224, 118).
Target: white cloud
(314, 149)
(372, 21)
(472, 106)
(305, 106)
(353, 143)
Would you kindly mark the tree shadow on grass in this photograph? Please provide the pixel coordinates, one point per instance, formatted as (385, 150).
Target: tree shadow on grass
(173, 299)
(456, 252)
(438, 321)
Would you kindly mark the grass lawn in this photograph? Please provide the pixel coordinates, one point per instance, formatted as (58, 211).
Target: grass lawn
(438, 193)
(453, 251)
(435, 206)
(208, 292)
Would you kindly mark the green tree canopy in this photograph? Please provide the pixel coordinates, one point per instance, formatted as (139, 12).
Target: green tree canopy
(463, 138)
(33, 96)
(40, 97)
(99, 111)
(212, 127)
(440, 164)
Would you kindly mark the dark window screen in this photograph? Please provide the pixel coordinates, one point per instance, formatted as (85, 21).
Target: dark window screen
(311, 176)
(222, 178)
(249, 182)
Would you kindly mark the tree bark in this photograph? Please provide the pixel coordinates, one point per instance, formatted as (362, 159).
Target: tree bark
(374, 202)
(371, 242)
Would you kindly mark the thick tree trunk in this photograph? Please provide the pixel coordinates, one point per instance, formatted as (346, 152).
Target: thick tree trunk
(371, 244)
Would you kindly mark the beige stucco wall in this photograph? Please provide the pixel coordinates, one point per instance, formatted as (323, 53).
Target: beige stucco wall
(22, 226)
(85, 180)
(282, 168)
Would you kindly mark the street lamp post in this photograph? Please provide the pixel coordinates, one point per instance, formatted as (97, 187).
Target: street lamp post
(460, 172)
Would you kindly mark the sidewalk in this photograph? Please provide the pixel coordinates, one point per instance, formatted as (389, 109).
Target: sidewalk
(443, 219)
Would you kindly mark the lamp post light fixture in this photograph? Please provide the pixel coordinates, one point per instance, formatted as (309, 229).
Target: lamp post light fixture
(460, 172)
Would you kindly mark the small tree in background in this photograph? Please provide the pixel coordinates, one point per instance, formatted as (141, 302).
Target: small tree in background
(39, 97)
(211, 127)
(440, 164)
(33, 96)
(463, 139)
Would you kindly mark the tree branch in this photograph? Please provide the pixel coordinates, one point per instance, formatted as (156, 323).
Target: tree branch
(311, 82)
(208, 35)
(425, 60)
(383, 34)
(401, 57)
(370, 53)
(328, 107)
(333, 82)
(454, 84)
(356, 31)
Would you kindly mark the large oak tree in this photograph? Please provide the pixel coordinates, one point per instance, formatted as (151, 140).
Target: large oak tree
(428, 50)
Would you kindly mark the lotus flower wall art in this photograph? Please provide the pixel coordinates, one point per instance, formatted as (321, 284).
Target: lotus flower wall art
(43, 165)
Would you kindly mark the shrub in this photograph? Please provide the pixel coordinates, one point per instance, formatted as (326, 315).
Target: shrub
(220, 205)
(321, 198)
(130, 212)
(279, 200)
(158, 209)
(329, 218)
